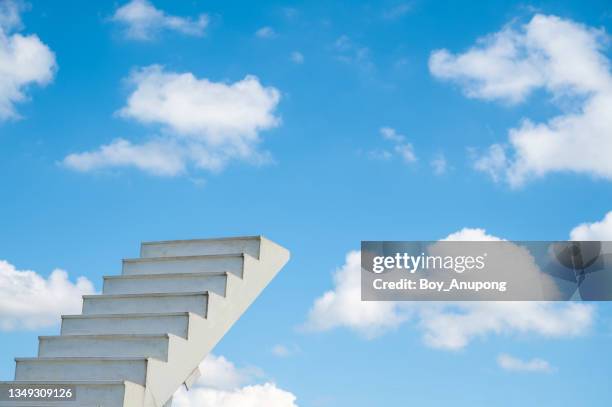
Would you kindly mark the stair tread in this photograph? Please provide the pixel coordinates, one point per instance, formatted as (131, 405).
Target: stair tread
(131, 315)
(174, 294)
(192, 257)
(84, 358)
(110, 336)
(213, 239)
(164, 275)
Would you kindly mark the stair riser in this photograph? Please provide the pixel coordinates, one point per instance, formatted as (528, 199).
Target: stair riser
(176, 325)
(63, 346)
(202, 247)
(94, 395)
(189, 303)
(232, 264)
(213, 283)
(39, 370)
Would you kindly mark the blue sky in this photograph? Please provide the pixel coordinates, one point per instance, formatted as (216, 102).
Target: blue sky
(352, 130)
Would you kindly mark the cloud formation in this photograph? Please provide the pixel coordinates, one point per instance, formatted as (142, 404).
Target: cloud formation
(511, 363)
(29, 301)
(142, 21)
(600, 230)
(448, 326)
(401, 148)
(204, 124)
(564, 58)
(222, 384)
(24, 60)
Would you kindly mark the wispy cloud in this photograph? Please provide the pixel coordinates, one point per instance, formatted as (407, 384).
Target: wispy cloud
(439, 164)
(265, 32)
(401, 148)
(352, 53)
(397, 11)
(297, 57)
(283, 351)
(511, 363)
(143, 21)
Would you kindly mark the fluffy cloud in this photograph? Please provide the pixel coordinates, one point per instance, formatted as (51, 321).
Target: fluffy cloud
(222, 384)
(220, 373)
(205, 124)
(24, 60)
(143, 21)
(29, 301)
(266, 394)
(601, 230)
(401, 148)
(567, 60)
(449, 326)
(508, 362)
(342, 306)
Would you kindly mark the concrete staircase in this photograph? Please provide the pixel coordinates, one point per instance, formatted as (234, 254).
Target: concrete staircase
(145, 336)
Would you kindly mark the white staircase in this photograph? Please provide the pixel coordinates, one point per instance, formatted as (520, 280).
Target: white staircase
(145, 336)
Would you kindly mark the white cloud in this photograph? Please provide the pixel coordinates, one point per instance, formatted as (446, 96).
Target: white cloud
(567, 60)
(222, 384)
(156, 157)
(601, 230)
(401, 147)
(297, 57)
(342, 306)
(29, 301)
(220, 373)
(508, 362)
(143, 21)
(449, 326)
(267, 394)
(24, 60)
(205, 124)
(472, 235)
(265, 32)
(439, 164)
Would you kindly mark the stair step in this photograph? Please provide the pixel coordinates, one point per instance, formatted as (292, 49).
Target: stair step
(196, 302)
(166, 283)
(88, 394)
(197, 247)
(154, 346)
(176, 323)
(88, 369)
(232, 263)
